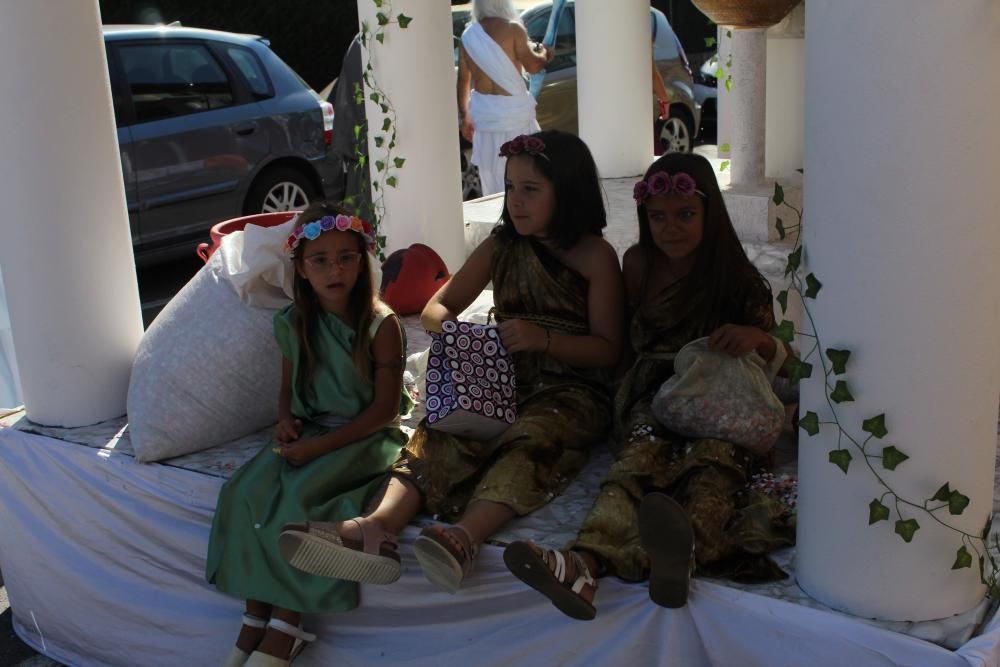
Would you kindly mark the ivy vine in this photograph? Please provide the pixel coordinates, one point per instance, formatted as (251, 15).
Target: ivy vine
(387, 166)
(727, 80)
(833, 364)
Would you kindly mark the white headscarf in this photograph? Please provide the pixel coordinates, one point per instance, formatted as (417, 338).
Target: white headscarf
(485, 9)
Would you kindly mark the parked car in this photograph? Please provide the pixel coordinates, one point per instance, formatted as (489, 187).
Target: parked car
(211, 125)
(706, 89)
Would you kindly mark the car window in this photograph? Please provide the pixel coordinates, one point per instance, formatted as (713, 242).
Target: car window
(251, 69)
(168, 80)
(565, 46)
(665, 43)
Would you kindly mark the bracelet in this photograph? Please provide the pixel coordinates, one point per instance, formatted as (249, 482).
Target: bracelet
(548, 341)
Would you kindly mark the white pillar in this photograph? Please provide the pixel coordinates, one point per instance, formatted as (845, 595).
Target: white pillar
(748, 105)
(614, 91)
(786, 82)
(415, 68)
(901, 230)
(724, 98)
(65, 246)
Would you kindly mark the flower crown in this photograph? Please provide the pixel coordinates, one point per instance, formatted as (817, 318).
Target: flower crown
(523, 143)
(341, 223)
(661, 183)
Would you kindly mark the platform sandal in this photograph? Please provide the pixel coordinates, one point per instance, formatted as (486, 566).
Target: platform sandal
(446, 554)
(561, 576)
(238, 657)
(302, 639)
(666, 535)
(319, 548)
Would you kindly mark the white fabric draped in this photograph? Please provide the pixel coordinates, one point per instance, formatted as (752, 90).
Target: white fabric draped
(103, 560)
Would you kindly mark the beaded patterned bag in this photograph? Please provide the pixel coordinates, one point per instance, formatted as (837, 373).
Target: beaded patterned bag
(470, 381)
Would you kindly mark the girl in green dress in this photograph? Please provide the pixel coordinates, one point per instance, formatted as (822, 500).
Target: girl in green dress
(338, 432)
(669, 504)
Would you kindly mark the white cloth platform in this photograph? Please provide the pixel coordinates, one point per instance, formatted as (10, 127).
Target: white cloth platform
(103, 559)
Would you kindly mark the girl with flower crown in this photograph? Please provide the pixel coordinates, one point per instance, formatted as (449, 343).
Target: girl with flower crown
(558, 297)
(338, 432)
(670, 505)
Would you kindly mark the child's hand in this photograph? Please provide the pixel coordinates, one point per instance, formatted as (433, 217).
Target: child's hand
(520, 336)
(287, 430)
(736, 340)
(303, 451)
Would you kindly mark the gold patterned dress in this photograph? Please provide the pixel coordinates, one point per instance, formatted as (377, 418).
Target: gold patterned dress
(562, 411)
(734, 527)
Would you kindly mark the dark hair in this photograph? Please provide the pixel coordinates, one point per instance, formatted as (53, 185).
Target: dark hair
(363, 304)
(722, 272)
(568, 164)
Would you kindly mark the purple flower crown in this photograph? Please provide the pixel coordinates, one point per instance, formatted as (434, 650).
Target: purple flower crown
(341, 223)
(661, 183)
(523, 143)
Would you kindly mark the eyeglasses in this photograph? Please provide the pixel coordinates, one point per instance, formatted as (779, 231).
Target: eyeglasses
(323, 263)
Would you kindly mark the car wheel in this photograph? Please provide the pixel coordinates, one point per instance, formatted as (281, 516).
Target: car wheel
(279, 189)
(676, 133)
(471, 187)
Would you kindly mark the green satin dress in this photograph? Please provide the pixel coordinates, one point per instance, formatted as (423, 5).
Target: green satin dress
(267, 492)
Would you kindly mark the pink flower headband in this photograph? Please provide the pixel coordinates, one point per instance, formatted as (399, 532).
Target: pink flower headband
(661, 183)
(341, 223)
(523, 143)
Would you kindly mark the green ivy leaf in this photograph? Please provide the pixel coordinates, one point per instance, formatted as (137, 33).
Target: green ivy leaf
(840, 393)
(382, 19)
(812, 286)
(810, 423)
(724, 165)
(729, 34)
(841, 458)
(780, 226)
(957, 503)
(729, 61)
(724, 148)
(906, 529)
(384, 107)
(404, 21)
(379, 140)
(391, 181)
(378, 3)
(362, 160)
(729, 84)
(357, 132)
(779, 194)
(784, 331)
(943, 494)
(375, 185)
(380, 37)
(386, 124)
(794, 260)
(798, 370)
(399, 162)
(839, 359)
(373, 97)
(719, 73)
(877, 512)
(782, 299)
(709, 42)
(380, 165)
(962, 559)
(875, 425)
(892, 457)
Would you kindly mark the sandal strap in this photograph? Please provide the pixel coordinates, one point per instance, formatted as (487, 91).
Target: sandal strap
(372, 536)
(252, 621)
(561, 571)
(467, 541)
(291, 630)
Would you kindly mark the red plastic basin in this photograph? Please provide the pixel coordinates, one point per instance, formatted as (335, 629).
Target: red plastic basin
(220, 229)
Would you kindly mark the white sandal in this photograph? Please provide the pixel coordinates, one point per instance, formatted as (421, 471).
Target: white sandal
(238, 657)
(302, 638)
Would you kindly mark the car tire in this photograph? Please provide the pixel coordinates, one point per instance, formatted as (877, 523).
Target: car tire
(676, 133)
(471, 186)
(279, 189)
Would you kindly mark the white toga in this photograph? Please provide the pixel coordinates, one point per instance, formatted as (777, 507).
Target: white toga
(496, 118)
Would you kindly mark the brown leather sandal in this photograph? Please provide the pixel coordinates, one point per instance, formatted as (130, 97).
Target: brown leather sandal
(561, 576)
(446, 555)
(319, 548)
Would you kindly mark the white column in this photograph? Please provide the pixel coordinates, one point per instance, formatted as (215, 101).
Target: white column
(415, 68)
(901, 207)
(614, 92)
(748, 105)
(786, 81)
(724, 98)
(65, 246)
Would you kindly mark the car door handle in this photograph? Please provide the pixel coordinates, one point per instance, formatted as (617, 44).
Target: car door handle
(245, 129)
